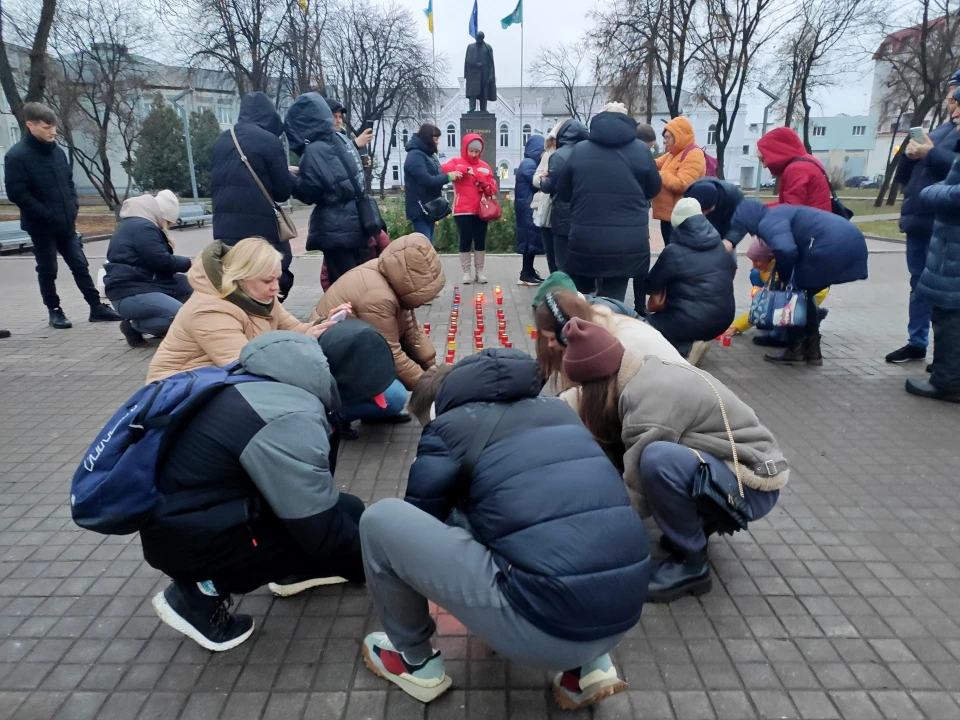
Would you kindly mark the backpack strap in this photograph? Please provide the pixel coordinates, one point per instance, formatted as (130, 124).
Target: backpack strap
(480, 440)
(688, 148)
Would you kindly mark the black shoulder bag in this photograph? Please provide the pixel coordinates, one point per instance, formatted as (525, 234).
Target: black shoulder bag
(836, 206)
(367, 208)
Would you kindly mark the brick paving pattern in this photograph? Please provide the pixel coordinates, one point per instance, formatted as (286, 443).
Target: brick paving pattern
(843, 603)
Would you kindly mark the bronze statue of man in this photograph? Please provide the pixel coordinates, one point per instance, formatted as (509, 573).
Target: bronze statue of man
(480, 73)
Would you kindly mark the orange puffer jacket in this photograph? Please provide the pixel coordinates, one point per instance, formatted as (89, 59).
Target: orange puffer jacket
(678, 169)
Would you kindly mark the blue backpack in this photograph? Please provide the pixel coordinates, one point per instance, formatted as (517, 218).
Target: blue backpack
(114, 491)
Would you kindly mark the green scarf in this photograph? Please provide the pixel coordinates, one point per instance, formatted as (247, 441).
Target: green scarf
(212, 257)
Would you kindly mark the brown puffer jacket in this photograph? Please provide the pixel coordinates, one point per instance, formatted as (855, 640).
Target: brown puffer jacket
(384, 293)
(209, 330)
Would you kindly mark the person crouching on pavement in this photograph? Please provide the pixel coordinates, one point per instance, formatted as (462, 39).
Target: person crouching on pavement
(249, 497)
(660, 421)
(551, 572)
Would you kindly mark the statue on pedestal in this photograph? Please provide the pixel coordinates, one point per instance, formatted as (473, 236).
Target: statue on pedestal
(480, 74)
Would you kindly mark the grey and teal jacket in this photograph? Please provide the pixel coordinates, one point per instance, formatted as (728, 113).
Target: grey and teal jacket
(255, 459)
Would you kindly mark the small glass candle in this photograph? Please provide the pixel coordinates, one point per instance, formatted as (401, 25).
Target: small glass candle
(534, 335)
(426, 328)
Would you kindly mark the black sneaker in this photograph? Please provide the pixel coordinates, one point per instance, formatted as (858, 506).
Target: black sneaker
(134, 338)
(906, 354)
(202, 618)
(401, 417)
(529, 280)
(4, 334)
(103, 313)
(58, 320)
(348, 431)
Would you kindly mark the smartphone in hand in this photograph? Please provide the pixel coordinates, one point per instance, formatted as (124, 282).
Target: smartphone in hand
(916, 134)
(338, 316)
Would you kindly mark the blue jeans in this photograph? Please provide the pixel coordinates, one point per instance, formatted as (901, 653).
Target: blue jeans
(918, 326)
(667, 471)
(426, 227)
(152, 313)
(396, 396)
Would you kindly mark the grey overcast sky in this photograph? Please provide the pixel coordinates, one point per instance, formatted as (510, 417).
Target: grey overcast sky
(549, 22)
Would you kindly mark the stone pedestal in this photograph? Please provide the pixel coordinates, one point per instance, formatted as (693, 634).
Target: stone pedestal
(483, 124)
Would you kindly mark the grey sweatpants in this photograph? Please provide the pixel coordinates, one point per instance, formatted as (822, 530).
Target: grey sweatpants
(410, 557)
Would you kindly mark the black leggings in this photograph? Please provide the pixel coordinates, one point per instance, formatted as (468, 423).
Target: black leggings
(473, 233)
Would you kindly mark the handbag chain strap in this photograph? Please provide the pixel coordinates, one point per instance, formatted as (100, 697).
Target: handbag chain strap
(726, 421)
(256, 179)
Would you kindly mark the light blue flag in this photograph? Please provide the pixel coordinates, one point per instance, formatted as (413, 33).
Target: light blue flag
(514, 18)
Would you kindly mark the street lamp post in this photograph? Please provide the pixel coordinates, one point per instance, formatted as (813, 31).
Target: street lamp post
(766, 112)
(185, 116)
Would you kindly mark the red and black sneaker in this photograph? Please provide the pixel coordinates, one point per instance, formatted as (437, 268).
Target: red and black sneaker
(587, 684)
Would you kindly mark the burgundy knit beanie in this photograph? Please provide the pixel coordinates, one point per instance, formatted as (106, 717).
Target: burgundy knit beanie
(592, 353)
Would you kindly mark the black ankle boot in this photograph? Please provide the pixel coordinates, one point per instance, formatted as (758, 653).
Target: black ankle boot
(58, 320)
(134, 339)
(812, 351)
(678, 577)
(794, 353)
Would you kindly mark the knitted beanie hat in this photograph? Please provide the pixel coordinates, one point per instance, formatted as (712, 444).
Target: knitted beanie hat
(475, 145)
(617, 107)
(169, 205)
(558, 280)
(685, 208)
(704, 192)
(592, 353)
(760, 252)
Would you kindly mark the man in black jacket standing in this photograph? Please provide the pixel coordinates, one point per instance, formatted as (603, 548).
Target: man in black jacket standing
(40, 182)
(240, 209)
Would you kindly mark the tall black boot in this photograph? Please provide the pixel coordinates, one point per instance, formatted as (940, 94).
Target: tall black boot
(795, 352)
(679, 576)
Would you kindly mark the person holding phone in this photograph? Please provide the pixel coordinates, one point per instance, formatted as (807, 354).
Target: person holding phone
(475, 181)
(423, 178)
(926, 160)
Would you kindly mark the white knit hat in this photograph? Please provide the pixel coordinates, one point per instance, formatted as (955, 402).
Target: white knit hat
(169, 205)
(685, 208)
(617, 107)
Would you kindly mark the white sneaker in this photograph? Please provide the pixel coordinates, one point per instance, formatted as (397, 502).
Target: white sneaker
(295, 588)
(481, 278)
(466, 279)
(699, 351)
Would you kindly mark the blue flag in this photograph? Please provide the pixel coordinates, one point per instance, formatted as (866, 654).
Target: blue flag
(513, 18)
(473, 21)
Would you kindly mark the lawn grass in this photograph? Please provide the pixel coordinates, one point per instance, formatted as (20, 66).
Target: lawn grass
(882, 228)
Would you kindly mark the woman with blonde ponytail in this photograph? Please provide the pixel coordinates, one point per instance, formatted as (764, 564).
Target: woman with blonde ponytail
(234, 301)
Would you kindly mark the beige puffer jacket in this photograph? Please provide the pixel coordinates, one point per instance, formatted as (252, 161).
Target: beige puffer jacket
(384, 292)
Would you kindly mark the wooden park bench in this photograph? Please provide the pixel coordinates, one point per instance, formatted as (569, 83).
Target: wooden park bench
(192, 213)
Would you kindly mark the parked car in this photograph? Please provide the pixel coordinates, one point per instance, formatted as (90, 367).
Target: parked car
(768, 184)
(856, 181)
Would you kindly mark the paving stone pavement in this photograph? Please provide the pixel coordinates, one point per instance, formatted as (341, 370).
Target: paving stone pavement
(843, 603)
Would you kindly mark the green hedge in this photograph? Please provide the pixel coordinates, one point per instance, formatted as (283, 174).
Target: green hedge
(501, 235)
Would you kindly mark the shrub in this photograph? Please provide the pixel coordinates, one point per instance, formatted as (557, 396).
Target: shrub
(501, 234)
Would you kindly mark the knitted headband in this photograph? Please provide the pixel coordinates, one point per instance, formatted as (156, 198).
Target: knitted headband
(559, 316)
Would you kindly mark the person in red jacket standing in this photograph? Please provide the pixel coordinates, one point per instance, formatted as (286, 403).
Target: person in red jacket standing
(472, 180)
(802, 179)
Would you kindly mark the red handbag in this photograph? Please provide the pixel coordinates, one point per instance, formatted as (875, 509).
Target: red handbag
(489, 209)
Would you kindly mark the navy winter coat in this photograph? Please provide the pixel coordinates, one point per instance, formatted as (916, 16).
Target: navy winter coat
(141, 260)
(940, 281)
(819, 248)
(324, 180)
(697, 272)
(729, 197)
(239, 208)
(609, 180)
(423, 179)
(917, 175)
(40, 182)
(569, 134)
(573, 555)
(529, 239)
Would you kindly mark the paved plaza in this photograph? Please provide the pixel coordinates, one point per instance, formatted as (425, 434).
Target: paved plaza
(843, 603)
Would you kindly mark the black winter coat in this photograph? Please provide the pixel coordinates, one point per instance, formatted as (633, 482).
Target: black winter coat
(729, 197)
(239, 208)
(570, 133)
(40, 182)
(917, 175)
(140, 260)
(609, 181)
(423, 179)
(940, 281)
(529, 239)
(573, 555)
(697, 272)
(324, 179)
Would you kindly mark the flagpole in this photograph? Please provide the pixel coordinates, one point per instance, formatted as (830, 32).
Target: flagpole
(521, 85)
(436, 85)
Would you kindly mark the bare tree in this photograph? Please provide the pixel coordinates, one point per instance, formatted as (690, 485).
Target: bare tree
(305, 27)
(31, 88)
(737, 31)
(376, 61)
(575, 68)
(95, 87)
(917, 61)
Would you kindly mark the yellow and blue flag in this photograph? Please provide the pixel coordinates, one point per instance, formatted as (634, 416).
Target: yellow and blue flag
(429, 13)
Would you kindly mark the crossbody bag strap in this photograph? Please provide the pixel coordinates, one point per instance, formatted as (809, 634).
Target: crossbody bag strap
(726, 421)
(342, 156)
(833, 193)
(480, 440)
(246, 162)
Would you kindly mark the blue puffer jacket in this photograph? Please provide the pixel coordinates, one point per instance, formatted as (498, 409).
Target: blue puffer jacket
(239, 208)
(140, 260)
(573, 555)
(324, 180)
(940, 281)
(819, 248)
(569, 134)
(529, 239)
(423, 179)
(917, 175)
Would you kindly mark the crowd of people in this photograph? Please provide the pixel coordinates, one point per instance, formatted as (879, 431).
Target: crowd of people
(497, 525)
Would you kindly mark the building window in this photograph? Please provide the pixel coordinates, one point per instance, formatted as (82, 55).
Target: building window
(201, 108)
(504, 136)
(451, 135)
(746, 149)
(393, 140)
(819, 131)
(396, 172)
(527, 130)
(712, 135)
(503, 171)
(224, 116)
(859, 130)
(406, 137)
(14, 135)
(894, 127)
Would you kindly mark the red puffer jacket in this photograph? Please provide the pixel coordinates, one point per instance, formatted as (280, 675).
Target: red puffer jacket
(468, 189)
(801, 182)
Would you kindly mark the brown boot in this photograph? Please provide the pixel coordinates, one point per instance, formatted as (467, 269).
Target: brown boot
(812, 352)
(794, 353)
